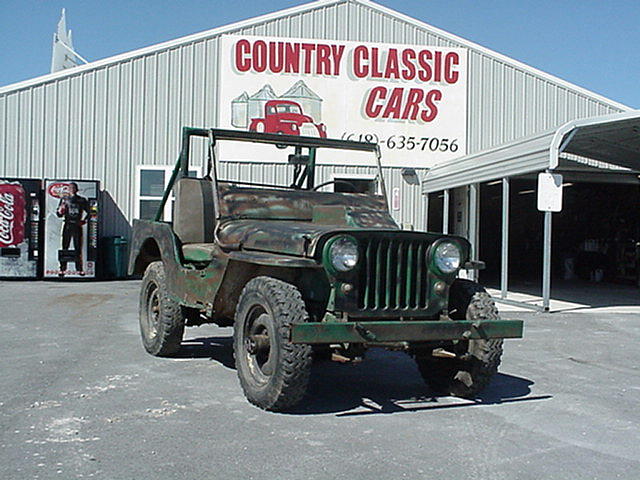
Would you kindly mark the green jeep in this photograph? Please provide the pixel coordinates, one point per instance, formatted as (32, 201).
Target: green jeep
(300, 271)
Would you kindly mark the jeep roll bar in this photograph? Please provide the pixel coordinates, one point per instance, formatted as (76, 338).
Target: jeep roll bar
(181, 168)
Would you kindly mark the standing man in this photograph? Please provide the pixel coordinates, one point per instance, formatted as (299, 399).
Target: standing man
(71, 207)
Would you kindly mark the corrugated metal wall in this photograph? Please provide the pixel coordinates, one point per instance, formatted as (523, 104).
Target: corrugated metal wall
(101, 123)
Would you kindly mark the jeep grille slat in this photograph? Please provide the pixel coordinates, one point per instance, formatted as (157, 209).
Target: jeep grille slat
(394, 276)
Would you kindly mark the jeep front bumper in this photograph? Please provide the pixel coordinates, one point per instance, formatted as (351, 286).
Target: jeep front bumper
(401, 331)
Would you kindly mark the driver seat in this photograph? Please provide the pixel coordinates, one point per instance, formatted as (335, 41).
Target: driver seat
(194, 218)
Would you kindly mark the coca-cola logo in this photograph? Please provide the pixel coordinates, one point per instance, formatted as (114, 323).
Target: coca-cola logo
(12, 214)
(7, 217)
(59, 190)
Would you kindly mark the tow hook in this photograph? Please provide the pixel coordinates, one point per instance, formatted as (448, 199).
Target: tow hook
(474, 326)
(366, 334)
(442, 353)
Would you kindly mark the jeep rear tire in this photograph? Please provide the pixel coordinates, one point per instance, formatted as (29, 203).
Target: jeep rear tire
(161, 319)
(477, 360)
(273, 372)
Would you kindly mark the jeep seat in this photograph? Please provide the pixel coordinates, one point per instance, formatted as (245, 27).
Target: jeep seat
(193, 218)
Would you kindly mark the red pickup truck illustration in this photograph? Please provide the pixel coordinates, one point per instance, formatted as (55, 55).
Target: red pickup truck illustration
(286, 117)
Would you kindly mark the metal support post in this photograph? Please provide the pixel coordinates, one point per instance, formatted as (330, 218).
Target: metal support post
(426, 212)
(546, 263)
(474, 205)
(504, 271)
(445, 212)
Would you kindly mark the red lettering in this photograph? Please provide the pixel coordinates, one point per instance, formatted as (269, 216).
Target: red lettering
(375, 72)
(437, 67)
(259, 56)
(360, 70)
(242, 48)
(323, 63)
(451, 75)
(408, 56)
(394, 104)
(308, 48)
(276, 54)
(392, 69)
(337, 52)
(411, 108)
(292, 58)
(371, 109)
(424, 73)
(432, 109)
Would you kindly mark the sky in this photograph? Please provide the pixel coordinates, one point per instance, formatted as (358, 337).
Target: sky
(591, 43)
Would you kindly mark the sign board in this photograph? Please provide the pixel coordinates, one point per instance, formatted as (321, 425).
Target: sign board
(410, 99)
(395, 199)
(549, 192)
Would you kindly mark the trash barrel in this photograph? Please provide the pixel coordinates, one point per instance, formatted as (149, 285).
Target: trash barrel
(115, 251)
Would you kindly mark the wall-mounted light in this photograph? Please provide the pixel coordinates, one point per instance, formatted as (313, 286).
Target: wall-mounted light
(410, 176)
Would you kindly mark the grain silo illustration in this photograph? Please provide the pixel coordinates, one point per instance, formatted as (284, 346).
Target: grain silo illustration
(240, 111)
(257, 101)
(310, 101)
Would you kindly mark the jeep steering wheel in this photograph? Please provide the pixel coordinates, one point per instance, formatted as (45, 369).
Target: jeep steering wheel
(337, 180)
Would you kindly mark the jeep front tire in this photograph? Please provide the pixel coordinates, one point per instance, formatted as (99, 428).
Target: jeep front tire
(161, 319)
(273, 372)
(476, 360)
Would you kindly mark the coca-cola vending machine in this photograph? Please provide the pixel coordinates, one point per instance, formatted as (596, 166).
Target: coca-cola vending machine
(72, 212)
(20, 227)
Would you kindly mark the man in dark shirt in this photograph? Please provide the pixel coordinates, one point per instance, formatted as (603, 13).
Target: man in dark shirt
(71, 207)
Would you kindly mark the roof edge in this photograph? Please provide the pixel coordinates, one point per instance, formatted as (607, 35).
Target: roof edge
(298, 9)
(194, 37)
(491, 53)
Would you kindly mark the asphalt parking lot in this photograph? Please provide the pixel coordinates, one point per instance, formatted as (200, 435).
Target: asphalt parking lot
(79, 398)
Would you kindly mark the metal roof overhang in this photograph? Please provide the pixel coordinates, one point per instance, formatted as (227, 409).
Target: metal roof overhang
(613, 139)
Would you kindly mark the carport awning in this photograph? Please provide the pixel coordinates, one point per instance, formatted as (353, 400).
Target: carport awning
(612, 139)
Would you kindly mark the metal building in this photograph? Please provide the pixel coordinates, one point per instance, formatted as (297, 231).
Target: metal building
(118, 120)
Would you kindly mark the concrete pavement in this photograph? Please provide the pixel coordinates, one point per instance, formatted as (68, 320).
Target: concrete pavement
(80, 398)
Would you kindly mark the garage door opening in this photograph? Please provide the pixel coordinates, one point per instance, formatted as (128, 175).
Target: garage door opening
(595, 242)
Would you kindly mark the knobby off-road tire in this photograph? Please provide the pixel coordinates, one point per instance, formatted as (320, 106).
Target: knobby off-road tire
(273, 372)
(478, 360)
(161, 319)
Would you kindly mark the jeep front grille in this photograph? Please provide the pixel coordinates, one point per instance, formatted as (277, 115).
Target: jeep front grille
(394, 274)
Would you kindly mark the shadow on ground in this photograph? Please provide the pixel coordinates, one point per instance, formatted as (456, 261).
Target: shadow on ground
(389, 382)
(385, 382)
(218, 349)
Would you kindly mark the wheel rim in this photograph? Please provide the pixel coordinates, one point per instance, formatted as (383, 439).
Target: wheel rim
(153, 311)
(258, 338)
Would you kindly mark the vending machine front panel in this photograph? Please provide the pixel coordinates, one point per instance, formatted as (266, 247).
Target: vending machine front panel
(20, 227)
(71, 228)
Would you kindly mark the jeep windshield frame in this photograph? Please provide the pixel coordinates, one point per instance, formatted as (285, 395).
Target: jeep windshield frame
(312, 144)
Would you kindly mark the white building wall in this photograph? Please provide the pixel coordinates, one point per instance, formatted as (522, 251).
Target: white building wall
(99, 121)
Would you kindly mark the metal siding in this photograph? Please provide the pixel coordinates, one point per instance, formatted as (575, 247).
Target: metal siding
(12, 132)
(102, 122)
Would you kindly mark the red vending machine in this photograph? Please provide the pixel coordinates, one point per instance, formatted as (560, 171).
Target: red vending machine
(20, 227)
(71, 228)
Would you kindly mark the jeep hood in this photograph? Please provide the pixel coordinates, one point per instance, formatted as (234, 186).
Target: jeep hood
(283, 237)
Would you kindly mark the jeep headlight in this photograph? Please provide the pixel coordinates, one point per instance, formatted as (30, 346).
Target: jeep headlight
(447, 257)
(343, 253)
